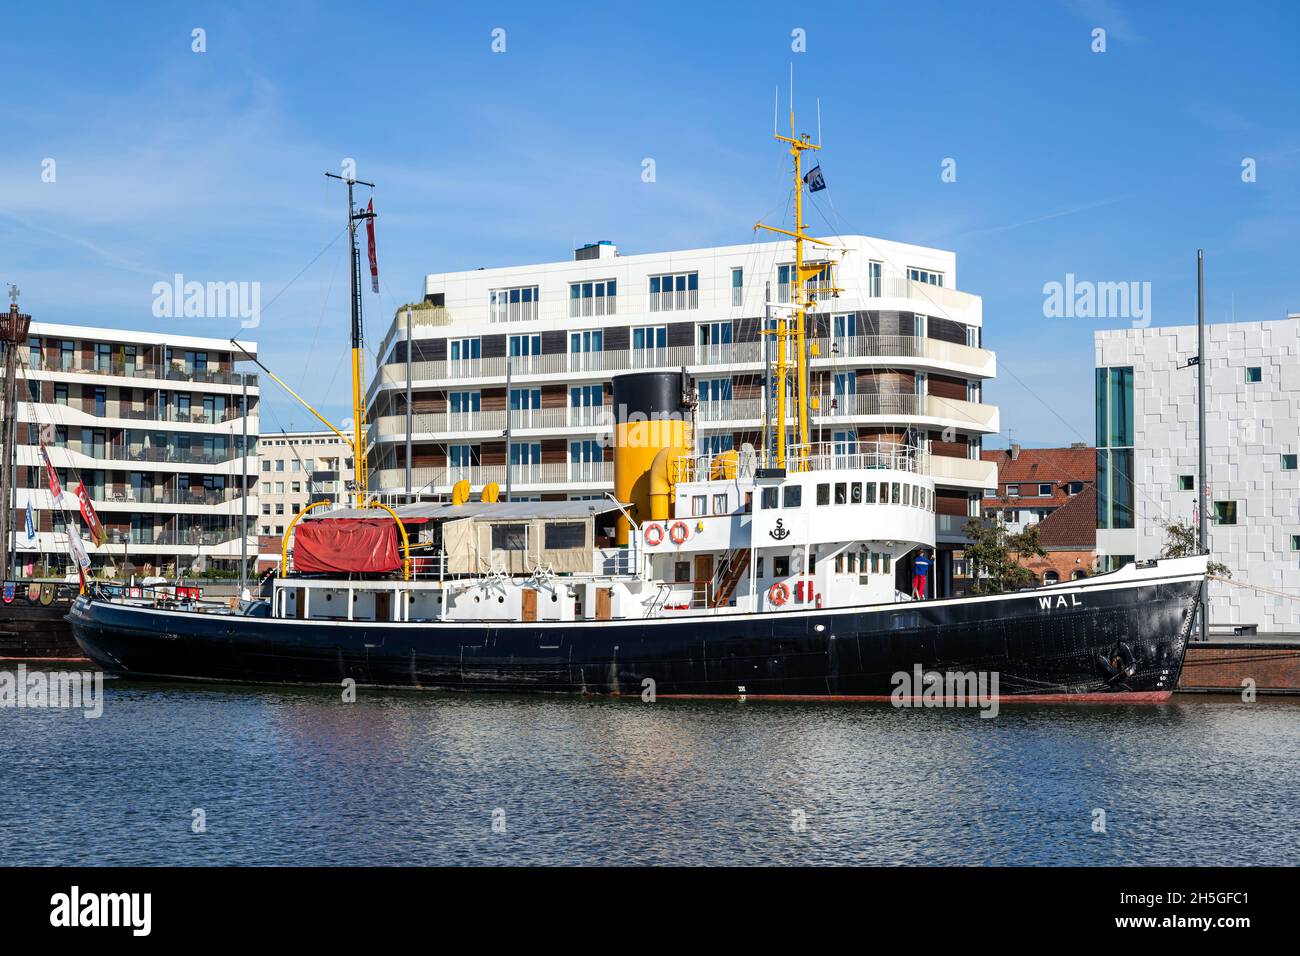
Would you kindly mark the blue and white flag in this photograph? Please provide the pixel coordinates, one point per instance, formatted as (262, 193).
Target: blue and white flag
(31, 525)
(815, 180)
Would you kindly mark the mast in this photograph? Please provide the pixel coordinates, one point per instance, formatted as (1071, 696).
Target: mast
(360, 465)
(796, 336)
(14, 326)
(1201, 492)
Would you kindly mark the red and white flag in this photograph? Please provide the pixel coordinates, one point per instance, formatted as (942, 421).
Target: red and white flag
(370, 241)
(93, 524)
(56, 489)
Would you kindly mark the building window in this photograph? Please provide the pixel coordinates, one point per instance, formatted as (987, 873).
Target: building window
(737, 287)
(1295, 542)
(874, 272)
(1186, 483)
(1051, 577)
(1225, 512)
(1254, 373)
(1074, 487)
(1044, 490)
(464, 351)
(1288, 462)
(675, 292)
(1114, 400)
(1013, 491)
(513, 305)
(926, 276)
(648, 346)
(592, 298)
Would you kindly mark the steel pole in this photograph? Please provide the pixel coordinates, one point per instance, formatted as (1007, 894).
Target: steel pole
(410, 487)
(1201, 497)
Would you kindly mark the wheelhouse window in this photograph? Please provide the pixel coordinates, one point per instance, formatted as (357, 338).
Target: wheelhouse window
(792, 497)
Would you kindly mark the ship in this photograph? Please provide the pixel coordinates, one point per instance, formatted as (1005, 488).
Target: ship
(772, 572)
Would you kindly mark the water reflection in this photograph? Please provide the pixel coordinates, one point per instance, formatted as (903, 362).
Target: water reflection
(298, 776)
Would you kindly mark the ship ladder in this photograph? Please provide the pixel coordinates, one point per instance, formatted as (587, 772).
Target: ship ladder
(733, 569)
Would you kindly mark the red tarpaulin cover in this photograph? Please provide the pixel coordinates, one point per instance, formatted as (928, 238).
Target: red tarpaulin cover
(333, 545)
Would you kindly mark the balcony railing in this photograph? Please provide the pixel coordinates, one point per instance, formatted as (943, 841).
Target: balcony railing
(441, 479)
(825, 351)
(168, 373)
(674, 301)
(592, 306)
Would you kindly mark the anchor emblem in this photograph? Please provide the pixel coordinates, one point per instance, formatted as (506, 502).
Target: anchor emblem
(780, 532)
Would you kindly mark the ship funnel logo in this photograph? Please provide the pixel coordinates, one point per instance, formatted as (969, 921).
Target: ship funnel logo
(780, 532)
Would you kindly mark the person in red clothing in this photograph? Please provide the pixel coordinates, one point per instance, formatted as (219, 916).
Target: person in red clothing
(920, 571)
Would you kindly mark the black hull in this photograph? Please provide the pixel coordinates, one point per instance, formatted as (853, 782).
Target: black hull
(1053, 650)
(33, 631)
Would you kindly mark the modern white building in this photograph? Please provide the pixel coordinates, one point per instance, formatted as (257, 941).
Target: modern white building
(1147, 457)
(156, 426)
(896, 355)
(297, 468)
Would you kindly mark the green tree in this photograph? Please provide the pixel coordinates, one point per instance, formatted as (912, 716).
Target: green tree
(994, 555)
(1181, 542)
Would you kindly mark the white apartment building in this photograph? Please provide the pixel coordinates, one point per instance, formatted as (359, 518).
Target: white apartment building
(154, 424)
(297, 468)
(1147, 456)
(896, 354)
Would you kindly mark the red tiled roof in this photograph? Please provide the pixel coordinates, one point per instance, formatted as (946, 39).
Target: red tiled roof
(1034, 466)
(1073, 526)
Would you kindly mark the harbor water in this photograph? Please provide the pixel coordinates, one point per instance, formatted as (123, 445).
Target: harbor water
(204, 774)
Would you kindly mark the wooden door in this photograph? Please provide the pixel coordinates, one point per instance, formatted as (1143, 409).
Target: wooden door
(703, 579)
(604, 600)
(383, 606)
(300, 603)
(530, 605)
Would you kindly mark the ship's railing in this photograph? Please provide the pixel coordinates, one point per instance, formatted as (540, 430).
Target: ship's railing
(818, 456)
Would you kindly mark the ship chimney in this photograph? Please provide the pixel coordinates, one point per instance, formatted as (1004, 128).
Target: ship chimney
(650, 418)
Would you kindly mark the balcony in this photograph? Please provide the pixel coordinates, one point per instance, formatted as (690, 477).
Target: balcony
(441, 479)
(963, 472)
(675, 301)
(922, 353)
(164, 373)
(390, 427)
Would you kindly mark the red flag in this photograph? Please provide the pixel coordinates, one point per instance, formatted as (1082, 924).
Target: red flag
(56, 489)
(93, 524)
(370, 241)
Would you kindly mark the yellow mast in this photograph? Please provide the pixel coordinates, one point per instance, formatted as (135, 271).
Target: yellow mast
(784, 335)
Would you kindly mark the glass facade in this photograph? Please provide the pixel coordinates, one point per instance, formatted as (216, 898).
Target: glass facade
(1115, 447)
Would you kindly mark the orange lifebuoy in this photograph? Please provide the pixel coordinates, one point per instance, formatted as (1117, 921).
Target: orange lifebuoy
(654, 534)
(679, 532)
(778, 594)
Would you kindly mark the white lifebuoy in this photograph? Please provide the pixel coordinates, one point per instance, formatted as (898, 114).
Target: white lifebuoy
(654, 534)
(778, 594)
(679, 532)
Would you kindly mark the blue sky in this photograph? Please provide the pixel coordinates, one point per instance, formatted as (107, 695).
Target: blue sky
(1112, 166)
